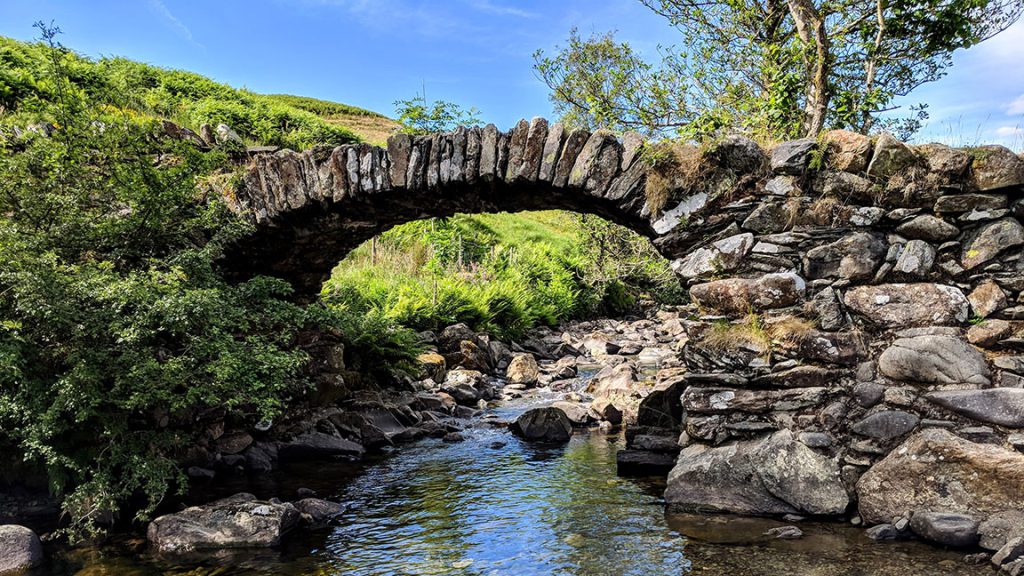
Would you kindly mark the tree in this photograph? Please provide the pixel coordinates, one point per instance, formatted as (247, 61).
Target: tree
(785, 68)
(420, 116)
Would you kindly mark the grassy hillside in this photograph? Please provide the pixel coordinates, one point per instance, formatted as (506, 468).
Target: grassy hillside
(125, 86)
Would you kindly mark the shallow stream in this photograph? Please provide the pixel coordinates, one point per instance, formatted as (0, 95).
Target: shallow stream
(495, 505)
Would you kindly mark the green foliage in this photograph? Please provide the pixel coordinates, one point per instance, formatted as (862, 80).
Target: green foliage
(778, 70)
(116, 329)
(500, 273)
(420, 116)
(321, 107)
(137, 89)
(491, 272)
(597, 82)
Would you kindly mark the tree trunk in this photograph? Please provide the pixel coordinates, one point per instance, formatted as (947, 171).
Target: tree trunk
(810, 27)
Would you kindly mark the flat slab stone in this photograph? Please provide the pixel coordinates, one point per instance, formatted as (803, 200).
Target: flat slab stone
(240, 521)
(1000, 406)
(904, 305)
(936, 470)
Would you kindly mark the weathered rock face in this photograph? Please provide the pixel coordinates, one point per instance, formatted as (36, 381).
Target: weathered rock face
(902, 305)
(776, 475)
(543, 425)
(936, 470)
(237, 522)
(934, 360)
(20, 549)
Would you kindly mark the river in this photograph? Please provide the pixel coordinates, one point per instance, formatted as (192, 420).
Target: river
(494, 505)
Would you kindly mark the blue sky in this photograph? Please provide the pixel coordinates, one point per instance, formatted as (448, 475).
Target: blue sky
(474, 52)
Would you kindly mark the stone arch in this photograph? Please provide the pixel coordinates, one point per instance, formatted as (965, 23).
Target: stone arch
(310, 209)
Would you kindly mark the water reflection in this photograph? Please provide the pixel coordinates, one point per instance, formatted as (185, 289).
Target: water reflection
(463, 509)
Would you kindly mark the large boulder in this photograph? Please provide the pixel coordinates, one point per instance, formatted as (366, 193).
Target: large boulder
(955, 530)
(890, 157)
(451, 337)
(902, 305)
(847, 151)
(934, 359)
(20, 549)
(547, 424)
(996, 167)
(661, 408)
(240, 521)
(1000, 406)
(772, 475)
(928, 227)
(740, 295)
(523, 369)
(318, 513)
(935, 470)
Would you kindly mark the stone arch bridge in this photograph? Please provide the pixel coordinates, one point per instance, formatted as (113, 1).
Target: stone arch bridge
(857, 328)
(312, 208)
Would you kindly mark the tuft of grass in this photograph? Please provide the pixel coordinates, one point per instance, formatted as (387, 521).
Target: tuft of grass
(757, 333)
(674, 166)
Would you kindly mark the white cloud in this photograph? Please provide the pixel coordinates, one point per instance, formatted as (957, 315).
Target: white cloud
(177, 25)
(1009, 131)
(1016, 107)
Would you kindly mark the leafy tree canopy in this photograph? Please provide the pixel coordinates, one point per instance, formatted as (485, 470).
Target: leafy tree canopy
(780, 68)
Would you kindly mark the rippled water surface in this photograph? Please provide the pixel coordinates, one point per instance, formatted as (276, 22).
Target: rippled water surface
(495, 505)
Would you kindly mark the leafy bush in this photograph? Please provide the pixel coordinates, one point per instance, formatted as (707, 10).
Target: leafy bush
(116, 328)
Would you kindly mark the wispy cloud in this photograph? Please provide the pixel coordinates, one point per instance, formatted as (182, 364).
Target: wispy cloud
(500, 9)
(1009, 131)
(177, 25)
(1016, 107)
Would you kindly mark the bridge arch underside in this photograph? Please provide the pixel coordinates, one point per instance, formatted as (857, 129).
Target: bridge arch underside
(306, 244)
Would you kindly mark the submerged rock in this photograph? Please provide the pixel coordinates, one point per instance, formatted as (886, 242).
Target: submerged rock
(240, 521)
(643, 463)
(956, 530)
